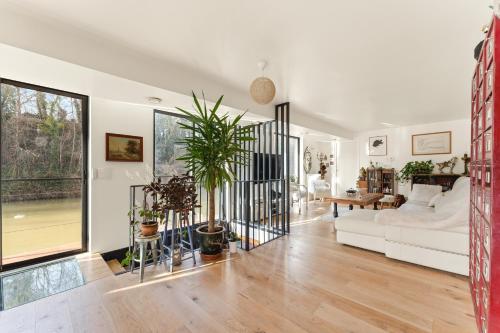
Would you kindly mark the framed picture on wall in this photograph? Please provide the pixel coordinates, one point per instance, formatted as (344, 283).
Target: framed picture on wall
(431, 143)
(124, 148)
(377, 145)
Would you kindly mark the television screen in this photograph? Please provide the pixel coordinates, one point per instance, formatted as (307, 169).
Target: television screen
(262, 163)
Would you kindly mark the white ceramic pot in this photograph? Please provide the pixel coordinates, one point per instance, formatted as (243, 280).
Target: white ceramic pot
(233, 247)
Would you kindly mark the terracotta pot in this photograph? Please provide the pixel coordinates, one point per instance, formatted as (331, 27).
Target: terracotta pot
(149, 228)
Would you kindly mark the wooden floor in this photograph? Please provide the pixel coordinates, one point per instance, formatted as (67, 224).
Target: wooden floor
(304, 282)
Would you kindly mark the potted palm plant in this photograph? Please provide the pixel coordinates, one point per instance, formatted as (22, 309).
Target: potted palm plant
(210, 156)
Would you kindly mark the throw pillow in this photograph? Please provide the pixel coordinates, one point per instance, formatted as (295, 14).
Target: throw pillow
(422, 193)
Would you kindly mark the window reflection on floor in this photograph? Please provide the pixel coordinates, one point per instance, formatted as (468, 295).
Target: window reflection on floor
(41, 281)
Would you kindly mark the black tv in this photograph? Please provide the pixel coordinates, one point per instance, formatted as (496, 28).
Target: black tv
(262, 163)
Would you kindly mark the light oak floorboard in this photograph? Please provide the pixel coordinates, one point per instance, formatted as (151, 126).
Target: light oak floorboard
(304, 282)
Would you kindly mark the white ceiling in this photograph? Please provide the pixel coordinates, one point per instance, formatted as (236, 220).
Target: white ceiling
(353, 64)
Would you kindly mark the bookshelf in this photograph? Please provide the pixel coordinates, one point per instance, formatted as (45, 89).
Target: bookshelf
(381, 180)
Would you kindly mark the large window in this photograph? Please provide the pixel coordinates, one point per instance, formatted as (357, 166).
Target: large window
(43, 173)
(167, 134)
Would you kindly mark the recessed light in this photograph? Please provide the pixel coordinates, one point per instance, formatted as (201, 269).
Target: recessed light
(387, 124)
(154, 100)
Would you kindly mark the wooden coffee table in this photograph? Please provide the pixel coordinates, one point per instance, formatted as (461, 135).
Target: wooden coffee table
(358, 200)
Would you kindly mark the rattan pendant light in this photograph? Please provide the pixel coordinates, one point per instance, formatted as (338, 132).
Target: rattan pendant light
(262, 88)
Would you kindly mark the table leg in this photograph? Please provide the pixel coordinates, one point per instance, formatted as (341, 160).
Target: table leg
(155, 254)
(375, 206)
(134, 249)
(162, 253)
(172, 242)
(335, 211)
(351, 207)
(362, 207)
(143, 260)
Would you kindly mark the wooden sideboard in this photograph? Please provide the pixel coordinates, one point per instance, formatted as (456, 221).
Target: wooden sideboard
(446, 180)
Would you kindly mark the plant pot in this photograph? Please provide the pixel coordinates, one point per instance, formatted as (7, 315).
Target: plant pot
(210, 243)
(233, 247)
(149, 228)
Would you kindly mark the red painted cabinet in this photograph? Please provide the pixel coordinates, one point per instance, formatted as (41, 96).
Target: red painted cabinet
(484, 214)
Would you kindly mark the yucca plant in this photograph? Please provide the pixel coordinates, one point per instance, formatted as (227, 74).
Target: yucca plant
(211, 149)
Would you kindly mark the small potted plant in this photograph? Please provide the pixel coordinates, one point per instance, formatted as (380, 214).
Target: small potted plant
(149, 224)
(415, 168)
(233, 241)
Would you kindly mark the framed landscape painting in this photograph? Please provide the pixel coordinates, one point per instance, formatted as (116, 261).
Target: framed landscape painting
(377, 145)
(124, 148)
(431, 143)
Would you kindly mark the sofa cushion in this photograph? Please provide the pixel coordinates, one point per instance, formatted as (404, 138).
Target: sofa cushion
(423, 193)
(453, 240)
(360, 221)
(456, 200)
(435, 199)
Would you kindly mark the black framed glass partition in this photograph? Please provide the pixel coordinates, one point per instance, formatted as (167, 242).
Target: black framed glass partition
(43, 163)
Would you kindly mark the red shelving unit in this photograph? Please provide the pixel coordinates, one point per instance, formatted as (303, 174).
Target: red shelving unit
(484, 214)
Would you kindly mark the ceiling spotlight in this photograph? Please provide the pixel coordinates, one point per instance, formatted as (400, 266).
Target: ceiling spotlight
(262, 88)
(154, 100)
(387, 124)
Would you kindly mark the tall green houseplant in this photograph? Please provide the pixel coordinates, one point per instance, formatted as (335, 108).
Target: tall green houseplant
(415, 168)
(211, 150)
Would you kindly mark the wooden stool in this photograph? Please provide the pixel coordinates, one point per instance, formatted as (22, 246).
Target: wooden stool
(387, 200)
(142, 242)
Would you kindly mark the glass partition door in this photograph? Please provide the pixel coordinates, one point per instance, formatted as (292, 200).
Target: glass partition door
(43, 173)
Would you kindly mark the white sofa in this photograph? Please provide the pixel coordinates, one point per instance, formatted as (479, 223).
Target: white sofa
(435, 236)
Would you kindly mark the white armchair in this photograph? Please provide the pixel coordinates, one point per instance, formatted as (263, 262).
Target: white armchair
(321, 189)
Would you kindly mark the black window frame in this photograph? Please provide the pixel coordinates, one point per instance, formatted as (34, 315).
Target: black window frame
(84, 177)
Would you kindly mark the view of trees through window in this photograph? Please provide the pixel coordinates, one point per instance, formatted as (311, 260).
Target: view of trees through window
(41, 168)
(167, 148)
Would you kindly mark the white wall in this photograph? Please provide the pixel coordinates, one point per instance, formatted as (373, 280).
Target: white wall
(347, 165)
(109, 199)
(116, 105)
(318, 145)
(399, 148)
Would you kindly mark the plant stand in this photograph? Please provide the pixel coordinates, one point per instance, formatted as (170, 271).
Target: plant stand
(178, 232)
(142, 242)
